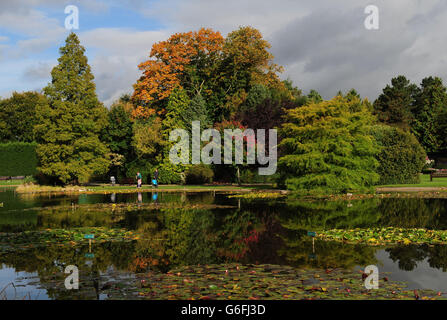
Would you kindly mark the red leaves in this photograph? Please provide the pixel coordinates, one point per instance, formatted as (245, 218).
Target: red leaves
(364, 276)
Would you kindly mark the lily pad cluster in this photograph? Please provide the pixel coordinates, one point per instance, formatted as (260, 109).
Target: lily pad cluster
(270, 282)
(385, 236)
(27, 239)
(259, 195)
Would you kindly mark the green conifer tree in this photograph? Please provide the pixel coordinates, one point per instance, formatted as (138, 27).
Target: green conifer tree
(69, 126)
(327, 147)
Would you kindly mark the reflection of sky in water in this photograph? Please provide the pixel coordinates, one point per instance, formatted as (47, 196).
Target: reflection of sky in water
(421, 277)
(23, 288)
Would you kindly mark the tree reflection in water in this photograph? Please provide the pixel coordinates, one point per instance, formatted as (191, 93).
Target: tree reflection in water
(255, 231)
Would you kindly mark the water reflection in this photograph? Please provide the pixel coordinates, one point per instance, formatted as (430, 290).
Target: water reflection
(272, 232)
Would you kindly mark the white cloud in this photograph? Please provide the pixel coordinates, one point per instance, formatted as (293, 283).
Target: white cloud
(322, 44)
(118, 52)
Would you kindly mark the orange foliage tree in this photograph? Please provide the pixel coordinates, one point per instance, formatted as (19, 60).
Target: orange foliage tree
(203, 62)
(174, 63)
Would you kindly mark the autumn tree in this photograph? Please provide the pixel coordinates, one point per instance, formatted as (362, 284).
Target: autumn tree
(247, 61)
(69, 126)
(203, 63)
(186, 60)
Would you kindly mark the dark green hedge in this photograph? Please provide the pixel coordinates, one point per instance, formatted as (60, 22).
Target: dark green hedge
(199, 174)
(18, 159)
(401, 158)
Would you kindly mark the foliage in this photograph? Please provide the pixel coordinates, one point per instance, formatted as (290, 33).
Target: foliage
(386, 236)
(401, 158)
(258, 195)
(18, 159)
(169, 173)
(178, 103)
(181, 61)
(196, 111)
(205, 64)
(199, 174)
(147, 138)
(431, 102)
(69, 126)
(328, 148)
(265, 107)
(17, 116)
(314, 97)
(394, 106)
(118, 133)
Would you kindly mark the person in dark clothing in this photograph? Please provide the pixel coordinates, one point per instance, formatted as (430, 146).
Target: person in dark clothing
(155, 181)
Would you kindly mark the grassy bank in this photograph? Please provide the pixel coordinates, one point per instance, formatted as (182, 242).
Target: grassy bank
(31, 188)
(11, 183)
(425, 183)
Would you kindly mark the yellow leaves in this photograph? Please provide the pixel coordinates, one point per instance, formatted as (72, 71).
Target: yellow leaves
(407, 241)
(147, 138)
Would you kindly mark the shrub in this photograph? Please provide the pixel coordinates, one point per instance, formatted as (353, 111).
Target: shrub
(401, 158)
(18, 159)
(252, 176)
(168, 174)
(199, 174)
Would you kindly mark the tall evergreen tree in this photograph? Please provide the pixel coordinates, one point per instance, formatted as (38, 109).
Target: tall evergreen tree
(431, 103)
(197, 111)
(118, 133)
(395, 104)
(69, 126)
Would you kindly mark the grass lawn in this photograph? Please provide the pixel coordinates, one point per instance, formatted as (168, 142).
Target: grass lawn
(425, 182)
(166, 187)
(107, 188)
(10, 182)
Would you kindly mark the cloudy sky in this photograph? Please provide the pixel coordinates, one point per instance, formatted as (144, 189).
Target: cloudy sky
(323, 45)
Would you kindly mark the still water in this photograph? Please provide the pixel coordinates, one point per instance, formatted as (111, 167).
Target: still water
(194, 230)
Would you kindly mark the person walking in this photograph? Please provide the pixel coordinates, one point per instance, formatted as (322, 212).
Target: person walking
(139, 179)
(155, 181)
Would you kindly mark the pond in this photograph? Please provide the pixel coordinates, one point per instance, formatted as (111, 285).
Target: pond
(204, 233)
